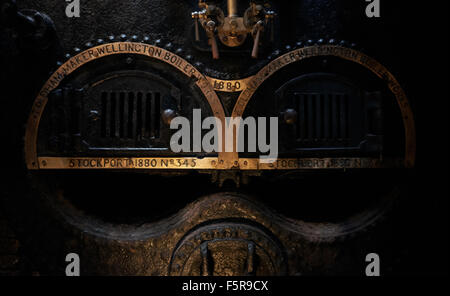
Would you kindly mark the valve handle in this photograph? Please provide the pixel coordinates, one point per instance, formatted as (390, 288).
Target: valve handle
(211, 25)
(255, 50)
(197, 32)
(214, 47)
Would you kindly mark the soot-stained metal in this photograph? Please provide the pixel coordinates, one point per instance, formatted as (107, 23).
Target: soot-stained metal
(93, 172)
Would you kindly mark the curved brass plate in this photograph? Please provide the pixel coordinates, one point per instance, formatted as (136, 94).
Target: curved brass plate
(229, 85)
(347, 54)
(102, 51)
(225, 160)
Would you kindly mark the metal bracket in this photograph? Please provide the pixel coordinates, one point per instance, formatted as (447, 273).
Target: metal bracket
(233, 30)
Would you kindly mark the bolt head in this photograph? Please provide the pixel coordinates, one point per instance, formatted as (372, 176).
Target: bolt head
(168, 115)
(290, 116)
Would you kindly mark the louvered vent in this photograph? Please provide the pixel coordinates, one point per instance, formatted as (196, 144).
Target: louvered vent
(130, 115)
(322, 117)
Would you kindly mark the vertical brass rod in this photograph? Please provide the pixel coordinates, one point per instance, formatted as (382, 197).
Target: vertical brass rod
(232, 7)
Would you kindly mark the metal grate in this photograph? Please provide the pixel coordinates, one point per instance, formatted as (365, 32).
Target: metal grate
(130, 115)
(322, 117)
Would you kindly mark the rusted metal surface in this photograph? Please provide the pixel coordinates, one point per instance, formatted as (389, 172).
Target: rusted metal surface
(227, 249)
(215, 235)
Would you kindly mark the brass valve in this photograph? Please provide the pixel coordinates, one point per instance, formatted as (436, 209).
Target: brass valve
(233, 30)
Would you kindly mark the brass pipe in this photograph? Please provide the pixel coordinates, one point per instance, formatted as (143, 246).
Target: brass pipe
(232, 7)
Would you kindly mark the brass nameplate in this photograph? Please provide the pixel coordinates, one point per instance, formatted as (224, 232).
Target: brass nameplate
(207, 163)
(229, 85)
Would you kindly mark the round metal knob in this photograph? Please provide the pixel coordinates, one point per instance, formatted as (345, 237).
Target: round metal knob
(290, 116)
(168, 115)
